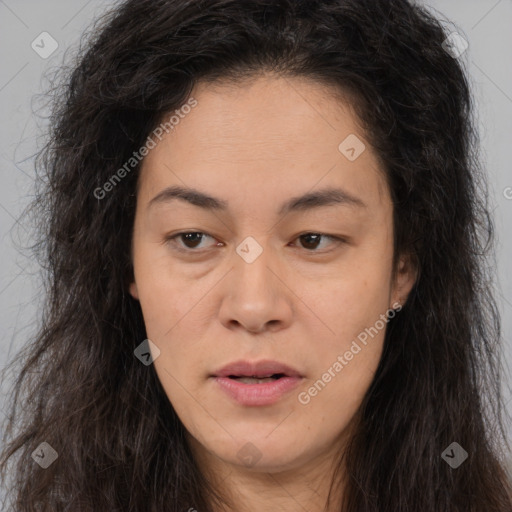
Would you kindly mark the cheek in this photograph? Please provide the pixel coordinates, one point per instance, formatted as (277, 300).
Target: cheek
(353, 306)
(352, 298)
(165, 297)
(176, 321)
(346, 366)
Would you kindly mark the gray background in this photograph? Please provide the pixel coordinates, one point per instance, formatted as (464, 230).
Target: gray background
(485, 24)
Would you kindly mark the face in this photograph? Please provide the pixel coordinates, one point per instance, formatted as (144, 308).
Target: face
(270, 273)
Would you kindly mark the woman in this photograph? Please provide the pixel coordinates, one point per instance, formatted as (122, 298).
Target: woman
(266, 237)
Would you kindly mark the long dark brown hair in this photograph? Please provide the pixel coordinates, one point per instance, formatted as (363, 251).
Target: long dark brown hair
(79, 387)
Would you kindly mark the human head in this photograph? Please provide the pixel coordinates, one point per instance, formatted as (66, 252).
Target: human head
(410, 102)
(256, 146)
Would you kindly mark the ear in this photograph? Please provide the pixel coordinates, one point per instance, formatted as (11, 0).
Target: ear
(133, 290)
(405, 279)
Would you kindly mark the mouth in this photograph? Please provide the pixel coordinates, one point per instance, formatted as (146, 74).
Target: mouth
(257, 383)
(259, 370)
(257, 380)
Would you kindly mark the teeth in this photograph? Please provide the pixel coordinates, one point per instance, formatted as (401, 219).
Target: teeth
(253, 380)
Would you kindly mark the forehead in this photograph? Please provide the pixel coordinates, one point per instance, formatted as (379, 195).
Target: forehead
(281, 117)
(269, 135)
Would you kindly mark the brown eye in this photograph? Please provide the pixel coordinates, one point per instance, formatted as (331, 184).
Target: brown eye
(190, 240)
(311, 241)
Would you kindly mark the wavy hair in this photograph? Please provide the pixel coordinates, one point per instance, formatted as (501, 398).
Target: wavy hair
(79, 387)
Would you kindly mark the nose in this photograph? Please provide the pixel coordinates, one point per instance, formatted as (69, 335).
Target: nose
(257, 295)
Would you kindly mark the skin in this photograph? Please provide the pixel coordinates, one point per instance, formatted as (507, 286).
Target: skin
(302, 301)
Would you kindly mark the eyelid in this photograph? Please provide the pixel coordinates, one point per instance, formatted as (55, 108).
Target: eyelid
(170, 239)
(338, 240)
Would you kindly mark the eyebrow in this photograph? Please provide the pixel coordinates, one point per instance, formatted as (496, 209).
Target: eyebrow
(324, 197)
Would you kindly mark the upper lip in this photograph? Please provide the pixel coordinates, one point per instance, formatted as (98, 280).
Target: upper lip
(264, 368)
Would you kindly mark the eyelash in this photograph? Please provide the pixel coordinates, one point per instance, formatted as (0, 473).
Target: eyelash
(171, 240)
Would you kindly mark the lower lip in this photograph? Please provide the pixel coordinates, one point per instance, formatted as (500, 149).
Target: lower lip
(257, 394)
